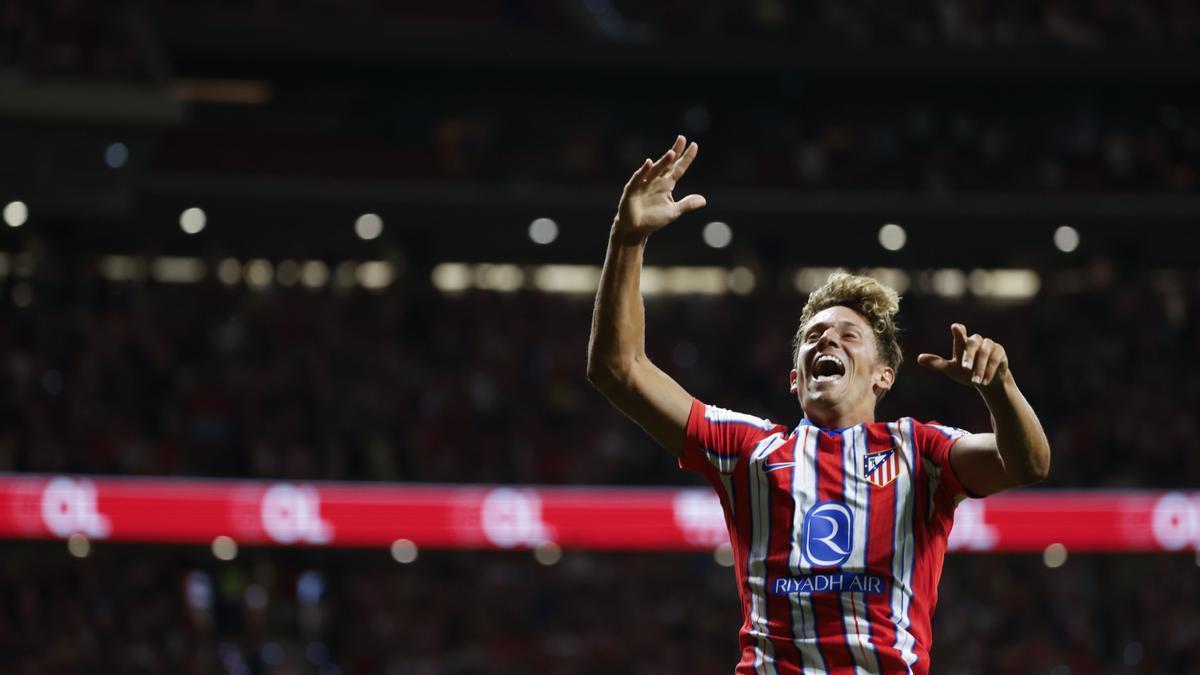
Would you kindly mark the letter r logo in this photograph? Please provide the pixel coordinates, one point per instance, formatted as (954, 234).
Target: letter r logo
(828, 532)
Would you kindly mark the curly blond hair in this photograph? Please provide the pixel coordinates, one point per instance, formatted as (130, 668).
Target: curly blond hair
(875, 301)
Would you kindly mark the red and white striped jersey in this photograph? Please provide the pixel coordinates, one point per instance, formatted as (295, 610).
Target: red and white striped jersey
(838, 537)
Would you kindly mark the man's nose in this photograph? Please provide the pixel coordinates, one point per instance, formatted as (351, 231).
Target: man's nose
(829, 337)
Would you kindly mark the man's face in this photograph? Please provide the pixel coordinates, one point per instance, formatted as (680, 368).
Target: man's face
(838, 366)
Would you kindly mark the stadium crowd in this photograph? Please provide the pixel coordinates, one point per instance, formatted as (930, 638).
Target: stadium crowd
(143, 610)
(413, 384)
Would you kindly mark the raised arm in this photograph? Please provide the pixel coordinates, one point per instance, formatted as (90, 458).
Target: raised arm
(617, 362)
(1017, 452)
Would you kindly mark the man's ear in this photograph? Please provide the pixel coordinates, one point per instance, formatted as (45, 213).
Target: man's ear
(884, 381)
(794, 386)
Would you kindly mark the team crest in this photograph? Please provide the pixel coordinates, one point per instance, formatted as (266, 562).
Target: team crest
(881, 468)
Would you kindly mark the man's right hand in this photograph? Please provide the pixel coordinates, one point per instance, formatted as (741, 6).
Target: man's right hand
(647, 204)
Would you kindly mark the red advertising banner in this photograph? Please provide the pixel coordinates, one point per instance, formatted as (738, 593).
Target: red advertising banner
(195, 511)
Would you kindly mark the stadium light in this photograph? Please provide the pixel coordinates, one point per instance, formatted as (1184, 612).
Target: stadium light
(543, 231)
(16, 213)
(404, 551)
(79, 546)
(224, 548)
(1055, 555)
(717, 234)
(892, 237)
(1066, 238)
(368, 226)
(193, 220)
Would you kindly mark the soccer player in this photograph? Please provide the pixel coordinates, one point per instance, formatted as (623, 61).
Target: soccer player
(838, 525)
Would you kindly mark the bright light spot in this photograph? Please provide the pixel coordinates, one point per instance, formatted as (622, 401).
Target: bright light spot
(288, 273)
(374, 274)
(723, 555)
(255, 596)
(896, 279)
(1055, 555)
(1005, 284)
(122, 267)
(404, 551)
(229, 272)
(259, 273)
(892, 237)
(451, 277)
(314, 273)
(172, 270)
(695, 280)
(741, 280)
(503, 277)
(115, 155)
(717, 234)
(193, 220)
(22, 295)
(368, 226)
(543, 231)
(548, 553)
(79, 546)
(16, 213)
(980, 282)
(809, 279)
(1066, 238)
(950, 283)
(583, 279)
(224, 548)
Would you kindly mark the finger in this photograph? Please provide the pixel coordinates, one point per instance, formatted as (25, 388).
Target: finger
(993, 366)
(933, 362)
(684, 161)
(968, 357)
(641, 171)
(661, 165)
(691, 203)
(959, 333)
(982, 356)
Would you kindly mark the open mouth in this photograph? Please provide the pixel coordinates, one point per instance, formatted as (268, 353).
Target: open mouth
(827, 368)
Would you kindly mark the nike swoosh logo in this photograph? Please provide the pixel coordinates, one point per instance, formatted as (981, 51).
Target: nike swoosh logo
(775, 467)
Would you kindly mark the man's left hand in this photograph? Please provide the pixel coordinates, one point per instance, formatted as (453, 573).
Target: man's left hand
(975, 360)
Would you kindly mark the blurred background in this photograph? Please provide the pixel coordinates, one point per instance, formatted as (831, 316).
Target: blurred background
(309, 240)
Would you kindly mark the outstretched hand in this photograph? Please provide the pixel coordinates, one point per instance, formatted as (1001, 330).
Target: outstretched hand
(647, 204)
(974, 360)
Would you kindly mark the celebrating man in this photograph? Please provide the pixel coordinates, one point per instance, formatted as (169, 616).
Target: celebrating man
(838, 525)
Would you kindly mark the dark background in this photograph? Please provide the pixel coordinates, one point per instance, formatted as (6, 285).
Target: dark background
(980, 127)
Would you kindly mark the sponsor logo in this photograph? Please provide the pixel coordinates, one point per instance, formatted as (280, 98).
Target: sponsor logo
(699, 514)
(881, 468)
(828, 528)
(292, 514)
(512, 517)
(69, 506)
(1175, 522)
(837, 582)
(970, 530)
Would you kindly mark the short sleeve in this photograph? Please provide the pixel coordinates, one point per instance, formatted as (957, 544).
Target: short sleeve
(934, 442)
(717, 439)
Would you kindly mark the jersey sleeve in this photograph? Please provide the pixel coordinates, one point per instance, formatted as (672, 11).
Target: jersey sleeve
(717, 439)
(934, 442)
